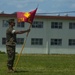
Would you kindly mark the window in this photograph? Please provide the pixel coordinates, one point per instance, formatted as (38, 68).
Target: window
(72, 25)
(5, 23)
(57, 25)
(20, 24)
(36, 41)
(71, 42)
(3, 40)
(37, 24)
(20, 41)
(56, 41)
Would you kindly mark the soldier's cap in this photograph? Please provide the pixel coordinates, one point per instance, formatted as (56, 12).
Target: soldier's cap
(11, 21)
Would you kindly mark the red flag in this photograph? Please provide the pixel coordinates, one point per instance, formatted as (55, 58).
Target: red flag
(26, 16)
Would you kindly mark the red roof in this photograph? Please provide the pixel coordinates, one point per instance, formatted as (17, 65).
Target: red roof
(43, 16)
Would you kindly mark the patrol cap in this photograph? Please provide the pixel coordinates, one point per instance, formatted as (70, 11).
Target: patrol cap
(11, 21)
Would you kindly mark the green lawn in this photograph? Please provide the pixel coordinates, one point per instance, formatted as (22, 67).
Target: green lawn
(41, 65)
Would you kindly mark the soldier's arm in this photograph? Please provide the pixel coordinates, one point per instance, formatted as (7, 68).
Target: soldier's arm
(20, 32)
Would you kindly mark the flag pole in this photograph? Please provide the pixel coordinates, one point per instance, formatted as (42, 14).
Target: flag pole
(26, 18)
(22, 48)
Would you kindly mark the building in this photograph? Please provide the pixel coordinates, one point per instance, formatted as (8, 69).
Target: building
(48, 35)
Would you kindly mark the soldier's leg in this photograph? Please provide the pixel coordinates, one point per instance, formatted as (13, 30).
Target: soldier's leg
(11, 56)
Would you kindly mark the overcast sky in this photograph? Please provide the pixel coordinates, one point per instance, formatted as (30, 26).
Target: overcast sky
(45, 6)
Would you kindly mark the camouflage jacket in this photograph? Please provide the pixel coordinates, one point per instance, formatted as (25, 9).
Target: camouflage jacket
(10, 37)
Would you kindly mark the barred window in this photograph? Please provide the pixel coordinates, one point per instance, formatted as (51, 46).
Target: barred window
(20, 24)
(36, 41)
(3, 40)
(37, 24)
(71, 42)
(5, 23)
(20, 41)
(56, 25)
(56, 41)
(72, 25)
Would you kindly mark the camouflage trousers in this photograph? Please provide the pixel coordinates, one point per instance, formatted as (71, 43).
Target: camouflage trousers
(11, 56)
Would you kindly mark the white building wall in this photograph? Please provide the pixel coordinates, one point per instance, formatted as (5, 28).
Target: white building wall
(37, 33)
(3, 32)
(65, 34)
(46, 33)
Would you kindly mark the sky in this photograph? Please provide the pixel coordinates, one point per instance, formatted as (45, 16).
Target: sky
(44, 6)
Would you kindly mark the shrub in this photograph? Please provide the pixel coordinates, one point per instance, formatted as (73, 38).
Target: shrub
(2, 52)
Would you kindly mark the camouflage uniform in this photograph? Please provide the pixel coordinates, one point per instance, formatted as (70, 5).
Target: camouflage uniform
(10, 46)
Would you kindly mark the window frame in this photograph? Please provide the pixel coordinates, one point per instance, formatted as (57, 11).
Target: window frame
(20, 24)
(5, 23)
(71, 42)
(20, 41)
(37, 24)
(3, 40)
(71, 25)
(56, 42)
(56, 25)
(36, 41)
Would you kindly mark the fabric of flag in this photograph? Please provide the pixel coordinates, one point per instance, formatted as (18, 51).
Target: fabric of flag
(26, 16)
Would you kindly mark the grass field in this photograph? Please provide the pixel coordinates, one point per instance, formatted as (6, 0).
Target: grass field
(41, 65)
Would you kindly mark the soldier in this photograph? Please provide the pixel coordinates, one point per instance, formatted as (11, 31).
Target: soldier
(11, 43)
